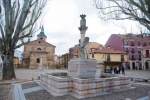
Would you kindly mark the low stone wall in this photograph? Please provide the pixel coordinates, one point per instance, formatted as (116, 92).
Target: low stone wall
(91, 86)
(84, 86)
(57, 84)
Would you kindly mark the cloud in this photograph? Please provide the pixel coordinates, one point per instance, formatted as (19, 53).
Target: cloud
(62, 20)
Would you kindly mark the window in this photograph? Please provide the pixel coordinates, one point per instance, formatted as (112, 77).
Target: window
(132, 50)
(39, 41)
(122, 57)
(41, 38)
(126, 50)
(93, 55)
(132, 43)
(39, 49)
(147, 53)
(108, 57)
(139, 50)
(132, 58)
(126, 43)
(139, 43)
(144, 44)
(38, 60)
(139, 57)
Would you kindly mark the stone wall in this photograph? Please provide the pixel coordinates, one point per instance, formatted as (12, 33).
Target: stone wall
(84, 86)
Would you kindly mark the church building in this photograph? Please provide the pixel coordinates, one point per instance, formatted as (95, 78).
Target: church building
(38, 53)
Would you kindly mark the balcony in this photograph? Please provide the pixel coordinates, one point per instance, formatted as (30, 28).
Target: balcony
(147, 56)
(127, 51)
(132, 51)
(108, 59)
(132, 58)
(132, 44)
(122, 59)
(139, 59)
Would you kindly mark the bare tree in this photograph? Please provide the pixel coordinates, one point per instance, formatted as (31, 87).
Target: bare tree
(137, 10)
(17, 23)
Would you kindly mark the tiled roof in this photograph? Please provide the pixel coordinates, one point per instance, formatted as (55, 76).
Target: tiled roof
(109, 50)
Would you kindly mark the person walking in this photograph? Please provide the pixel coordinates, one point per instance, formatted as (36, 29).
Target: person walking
(115, 68)
(120, 68)
(123, 70)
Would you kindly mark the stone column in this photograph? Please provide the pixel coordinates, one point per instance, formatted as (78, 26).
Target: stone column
(82, 36)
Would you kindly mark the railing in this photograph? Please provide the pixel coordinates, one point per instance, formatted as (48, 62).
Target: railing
(139, 59)
(132, 44)
(132, 51)
(108, 59)
(122, 59)
(147, 56)
(132, 59)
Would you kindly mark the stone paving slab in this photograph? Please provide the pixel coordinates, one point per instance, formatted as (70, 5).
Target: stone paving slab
(38, 93)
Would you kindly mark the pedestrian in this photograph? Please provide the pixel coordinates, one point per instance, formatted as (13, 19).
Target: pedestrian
(107, 69)
(115, 68)
(119, 69)
(123, 70)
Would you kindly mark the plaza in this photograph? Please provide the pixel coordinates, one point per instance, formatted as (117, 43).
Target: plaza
(27, 79)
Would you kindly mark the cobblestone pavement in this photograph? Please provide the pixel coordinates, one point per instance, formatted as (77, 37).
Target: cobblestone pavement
(4, 91)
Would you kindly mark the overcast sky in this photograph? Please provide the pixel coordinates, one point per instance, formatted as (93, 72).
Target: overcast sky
(62, 20)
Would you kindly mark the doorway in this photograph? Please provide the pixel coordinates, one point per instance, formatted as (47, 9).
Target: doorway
(133, 65)
(146, 65)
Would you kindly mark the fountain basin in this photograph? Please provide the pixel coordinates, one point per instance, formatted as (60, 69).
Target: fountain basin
(60, 83)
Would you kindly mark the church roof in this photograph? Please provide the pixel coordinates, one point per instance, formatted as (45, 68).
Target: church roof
(39, 42)
(42, 32)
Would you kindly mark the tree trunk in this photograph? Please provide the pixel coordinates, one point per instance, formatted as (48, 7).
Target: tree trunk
(8, 69)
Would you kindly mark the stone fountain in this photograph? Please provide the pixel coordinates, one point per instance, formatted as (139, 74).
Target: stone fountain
(84, 74)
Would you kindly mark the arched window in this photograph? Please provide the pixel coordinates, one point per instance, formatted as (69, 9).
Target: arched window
(37, 60)
(38, 49)
(132, 43)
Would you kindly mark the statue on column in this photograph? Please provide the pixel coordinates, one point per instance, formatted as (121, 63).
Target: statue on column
(84, 41)
(83, 21)
(84, 48)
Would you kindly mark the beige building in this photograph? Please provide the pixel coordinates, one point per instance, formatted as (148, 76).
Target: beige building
(110, 56)
(38, 53)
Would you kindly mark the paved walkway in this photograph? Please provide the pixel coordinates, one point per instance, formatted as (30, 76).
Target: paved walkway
(32, 91)
(30, 74)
